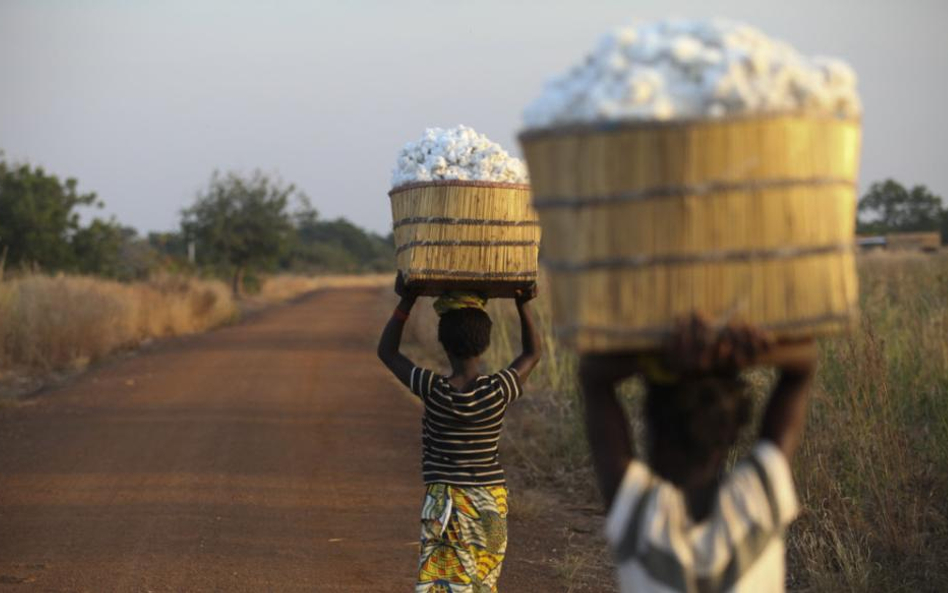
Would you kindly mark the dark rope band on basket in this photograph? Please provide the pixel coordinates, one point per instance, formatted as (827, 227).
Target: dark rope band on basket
(644, 261)
(659, 332)
(460, 183)
(450, 243)
(475, 275)
(680, 191)
(462, 221)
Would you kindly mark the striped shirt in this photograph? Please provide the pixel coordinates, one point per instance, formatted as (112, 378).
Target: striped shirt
(461, 429)
(738, 548)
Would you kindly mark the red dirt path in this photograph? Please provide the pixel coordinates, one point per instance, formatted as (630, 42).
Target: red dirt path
(274, 455)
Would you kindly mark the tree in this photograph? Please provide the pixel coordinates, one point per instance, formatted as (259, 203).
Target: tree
(240, 222)
(336, 245)
(38, 217)
(98, 248)
(893, 208)
(106, 248)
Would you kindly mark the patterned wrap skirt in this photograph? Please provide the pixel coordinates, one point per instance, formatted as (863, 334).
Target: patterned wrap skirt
(463, 539)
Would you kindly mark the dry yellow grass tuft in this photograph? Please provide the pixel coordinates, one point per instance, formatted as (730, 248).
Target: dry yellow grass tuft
(58, 322)
(50, 323)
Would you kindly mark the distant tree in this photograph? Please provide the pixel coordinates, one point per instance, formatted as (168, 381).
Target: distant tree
(137, 258)
(38, 216)
(890, 207)
(240, 222)
(105, 248)
(98, 248)
(337, 245)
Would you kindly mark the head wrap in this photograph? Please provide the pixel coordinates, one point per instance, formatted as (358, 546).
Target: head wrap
(656, 371)
(451, 301)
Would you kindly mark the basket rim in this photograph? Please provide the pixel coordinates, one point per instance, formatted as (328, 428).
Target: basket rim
(612, 126)
(458, 183)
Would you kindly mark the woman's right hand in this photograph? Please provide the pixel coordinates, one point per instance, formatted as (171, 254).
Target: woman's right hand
(402, 289)
(524, 295)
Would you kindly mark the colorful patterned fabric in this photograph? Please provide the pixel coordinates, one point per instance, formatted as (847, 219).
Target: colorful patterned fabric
(450, 301)
(463, 539)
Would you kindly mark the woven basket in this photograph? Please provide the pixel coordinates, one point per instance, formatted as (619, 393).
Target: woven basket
(466, 235)
(749, 218)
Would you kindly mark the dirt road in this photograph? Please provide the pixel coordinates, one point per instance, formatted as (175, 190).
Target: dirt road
(274, 455)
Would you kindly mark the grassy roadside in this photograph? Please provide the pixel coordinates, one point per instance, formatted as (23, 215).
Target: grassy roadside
(872, 474)
(54, 326)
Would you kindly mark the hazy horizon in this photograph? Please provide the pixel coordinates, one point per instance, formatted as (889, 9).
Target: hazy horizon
(141, 102)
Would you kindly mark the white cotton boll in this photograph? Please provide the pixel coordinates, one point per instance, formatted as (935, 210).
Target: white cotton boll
(641, 87)
(702, 68)
(456, 154)
(710, 56)
(625, 36)
(616, 63)
(686, 49)
(663, 109)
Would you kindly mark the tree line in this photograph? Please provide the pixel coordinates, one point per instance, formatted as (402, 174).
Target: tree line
(237, 225)
(890, 207)
(240, 224)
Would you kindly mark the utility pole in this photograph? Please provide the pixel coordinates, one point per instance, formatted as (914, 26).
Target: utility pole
(3, 260)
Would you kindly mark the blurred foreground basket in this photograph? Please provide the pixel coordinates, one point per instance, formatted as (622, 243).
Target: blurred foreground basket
(466, 235)
(749, 218)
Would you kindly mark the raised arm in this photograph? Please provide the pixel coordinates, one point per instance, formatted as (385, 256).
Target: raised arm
(391, 339)
(785, 416)
(607, 429)
(530, 353)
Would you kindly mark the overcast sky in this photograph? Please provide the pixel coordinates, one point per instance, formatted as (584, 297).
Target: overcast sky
(142, 101)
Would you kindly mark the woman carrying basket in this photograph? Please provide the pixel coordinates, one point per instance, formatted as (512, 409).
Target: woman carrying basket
(681, 522)
(464, 514)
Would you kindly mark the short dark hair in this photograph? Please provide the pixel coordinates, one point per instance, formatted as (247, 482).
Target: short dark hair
(694, 421)
(465, 333)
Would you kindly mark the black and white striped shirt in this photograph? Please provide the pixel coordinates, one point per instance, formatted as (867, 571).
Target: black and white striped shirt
(738, 548)
(461, 429)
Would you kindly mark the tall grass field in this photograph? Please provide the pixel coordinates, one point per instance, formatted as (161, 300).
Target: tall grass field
(872, 474)
(62, 322)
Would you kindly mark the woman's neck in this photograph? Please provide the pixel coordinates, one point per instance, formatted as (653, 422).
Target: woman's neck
(699, 485)
(464, 370)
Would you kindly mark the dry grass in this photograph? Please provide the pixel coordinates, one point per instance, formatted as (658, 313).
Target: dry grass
(873, 471)
(49, 323)
(62, 323)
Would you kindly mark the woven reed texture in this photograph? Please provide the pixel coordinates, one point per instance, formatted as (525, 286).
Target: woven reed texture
(466, 235)
(747, 218)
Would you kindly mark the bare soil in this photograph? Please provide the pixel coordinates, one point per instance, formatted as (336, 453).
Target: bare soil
(273, 455)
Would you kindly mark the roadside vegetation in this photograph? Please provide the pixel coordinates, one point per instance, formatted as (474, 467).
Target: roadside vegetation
(871, 472)
(64, 322)
(72, 292)
(61, 322)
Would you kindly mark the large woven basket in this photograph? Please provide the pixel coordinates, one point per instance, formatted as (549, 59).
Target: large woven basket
(749, 218)
(466, 235)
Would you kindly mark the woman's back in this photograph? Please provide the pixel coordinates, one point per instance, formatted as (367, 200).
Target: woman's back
(461, 427)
